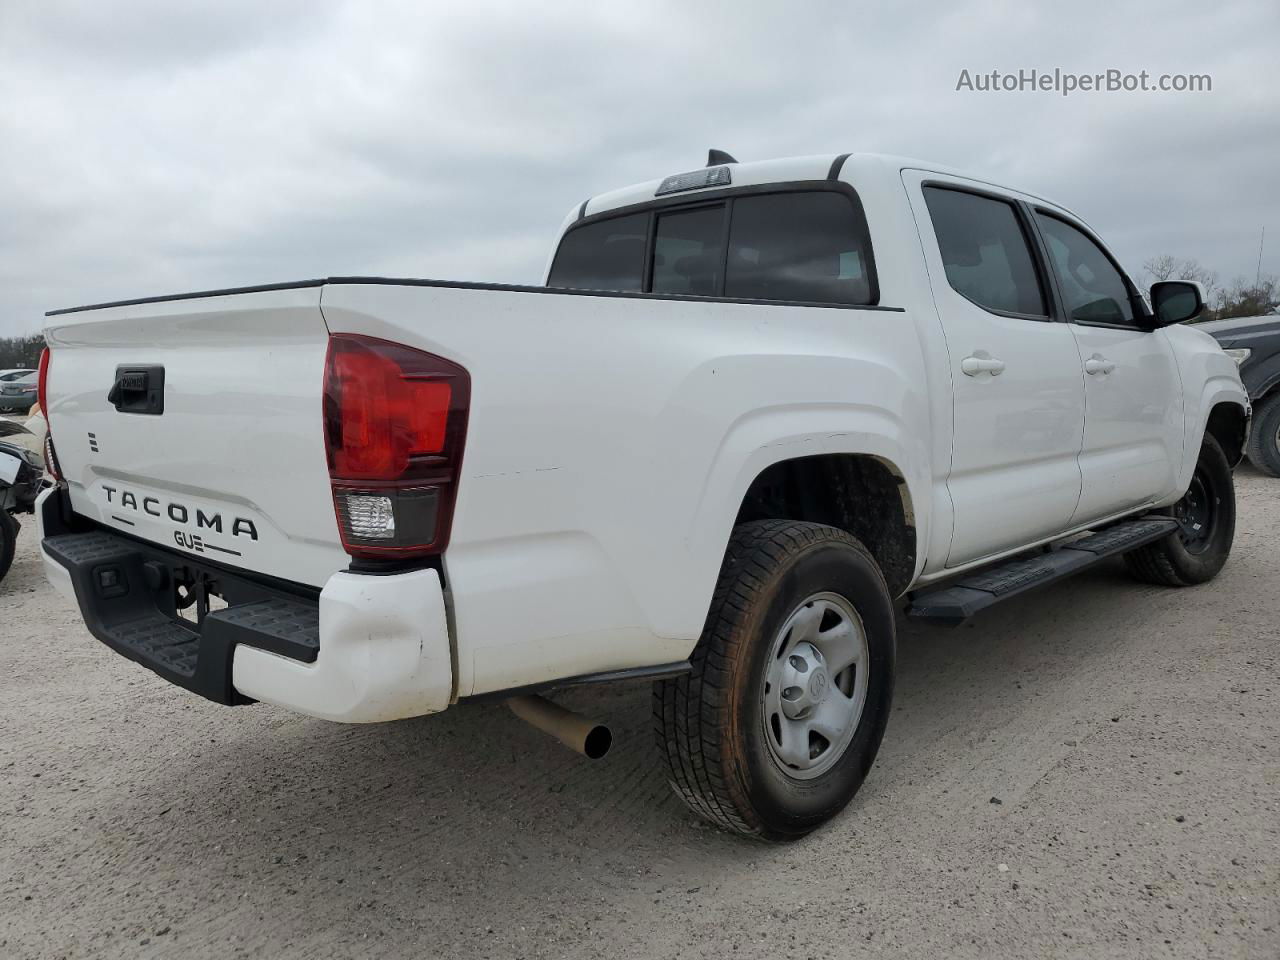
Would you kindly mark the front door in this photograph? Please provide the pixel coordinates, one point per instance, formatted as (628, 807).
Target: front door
(1133, 396)
(1017, 386)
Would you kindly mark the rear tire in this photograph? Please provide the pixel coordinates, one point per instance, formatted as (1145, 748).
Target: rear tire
(776, 727)
(1263, 449)
(1207, 523)
(8, 540)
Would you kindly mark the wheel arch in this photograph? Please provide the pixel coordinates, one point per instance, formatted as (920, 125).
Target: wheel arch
(1223, 392)
(1228, 423)
(1263, 378)
(864, 494)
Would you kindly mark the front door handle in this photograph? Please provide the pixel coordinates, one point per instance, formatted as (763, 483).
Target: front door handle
(1098, 364)
(972, 366)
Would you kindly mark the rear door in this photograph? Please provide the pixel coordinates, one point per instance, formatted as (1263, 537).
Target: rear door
(1018, 399)
(197, 424)
(1133, 432)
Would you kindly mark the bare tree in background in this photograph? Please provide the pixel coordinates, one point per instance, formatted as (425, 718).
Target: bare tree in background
(1244, 298)
(1240, 298)
(20, 351)
(1168, 267)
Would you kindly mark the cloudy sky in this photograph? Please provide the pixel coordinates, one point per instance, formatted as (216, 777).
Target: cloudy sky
(150, 146)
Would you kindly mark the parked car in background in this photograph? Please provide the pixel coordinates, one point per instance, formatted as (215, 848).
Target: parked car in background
(21, 476)
(14, 373)
(18, 395)
(1254, 344)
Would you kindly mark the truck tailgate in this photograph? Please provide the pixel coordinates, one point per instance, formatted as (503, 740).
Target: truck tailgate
(231, 466)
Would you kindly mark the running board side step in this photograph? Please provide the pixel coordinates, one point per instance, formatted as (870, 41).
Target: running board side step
(959, 600)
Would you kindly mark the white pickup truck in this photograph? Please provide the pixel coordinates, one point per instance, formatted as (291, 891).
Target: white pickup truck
(754, 407)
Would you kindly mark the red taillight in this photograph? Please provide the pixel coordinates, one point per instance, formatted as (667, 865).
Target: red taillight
(42, 382)
(42, 398)
(395, 420)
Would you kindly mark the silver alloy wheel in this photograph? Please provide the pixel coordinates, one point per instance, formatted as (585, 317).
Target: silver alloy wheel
(815, 685)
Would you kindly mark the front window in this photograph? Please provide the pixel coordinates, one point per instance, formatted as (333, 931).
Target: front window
(1092, 287)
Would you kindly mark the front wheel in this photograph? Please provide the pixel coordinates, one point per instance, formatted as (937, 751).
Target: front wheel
(776, 727)
(1206, 517)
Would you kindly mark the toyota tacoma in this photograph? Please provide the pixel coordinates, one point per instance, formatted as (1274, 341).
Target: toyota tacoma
(753, 410)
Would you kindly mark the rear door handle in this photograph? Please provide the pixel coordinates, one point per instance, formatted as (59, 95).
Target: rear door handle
(1098, 364)
(972, 366)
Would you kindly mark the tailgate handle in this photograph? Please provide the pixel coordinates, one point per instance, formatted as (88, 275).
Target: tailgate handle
(138, 389)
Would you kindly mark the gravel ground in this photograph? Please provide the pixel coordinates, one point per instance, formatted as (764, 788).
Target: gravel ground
(1090, 771)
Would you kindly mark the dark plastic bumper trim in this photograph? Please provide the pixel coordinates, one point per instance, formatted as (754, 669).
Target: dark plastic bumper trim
(126, 590)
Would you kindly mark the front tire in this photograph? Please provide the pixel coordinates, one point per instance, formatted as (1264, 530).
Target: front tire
(1264, 439)
(1206, 516)
(776, 727)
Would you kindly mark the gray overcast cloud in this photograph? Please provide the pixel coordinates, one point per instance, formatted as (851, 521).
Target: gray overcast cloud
(155, 147)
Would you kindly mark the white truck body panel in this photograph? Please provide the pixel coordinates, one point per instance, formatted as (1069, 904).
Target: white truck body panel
(1133, 439)
(1208, 377)
(610, 441)
(1014, 472)
(384, 653)
(597, 496)
(240, 437)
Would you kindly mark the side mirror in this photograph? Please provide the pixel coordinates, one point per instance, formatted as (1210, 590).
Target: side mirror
(1174, 301)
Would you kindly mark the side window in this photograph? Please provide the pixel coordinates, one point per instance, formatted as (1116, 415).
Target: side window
(1092, 287)
(985, 252)
(799, 246)
(688, 251)
(605, 255)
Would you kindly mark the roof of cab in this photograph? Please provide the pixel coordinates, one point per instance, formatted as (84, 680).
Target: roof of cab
(821, 166)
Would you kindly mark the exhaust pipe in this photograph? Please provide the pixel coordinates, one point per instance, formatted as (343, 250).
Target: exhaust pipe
(575, 731)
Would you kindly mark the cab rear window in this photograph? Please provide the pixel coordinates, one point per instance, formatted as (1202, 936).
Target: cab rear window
(605, 255)
(807, 246)
(688, 252)
(798, 246)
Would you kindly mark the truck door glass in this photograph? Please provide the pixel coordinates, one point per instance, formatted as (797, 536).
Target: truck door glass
(985, 252)
(687, 253)
(1092, 287)
(809, 246)
(605, 255)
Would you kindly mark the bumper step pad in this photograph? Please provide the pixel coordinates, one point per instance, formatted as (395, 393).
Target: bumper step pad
(158, 640)
(281, 626)
(126, 593)
(955, 602)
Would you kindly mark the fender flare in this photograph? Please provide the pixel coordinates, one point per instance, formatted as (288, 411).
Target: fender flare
(1217, 389)
(1269, 381)
(768, 436)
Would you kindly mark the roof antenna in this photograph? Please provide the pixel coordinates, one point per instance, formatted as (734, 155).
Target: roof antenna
(716, 158)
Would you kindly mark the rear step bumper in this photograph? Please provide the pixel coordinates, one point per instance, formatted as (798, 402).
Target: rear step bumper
(127, 595)
(955, 602)
(365, 648)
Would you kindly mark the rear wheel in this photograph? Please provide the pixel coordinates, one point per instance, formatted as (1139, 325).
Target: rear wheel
(8, 540)
(1206, 517)
(774, 730)
(1264, 439)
